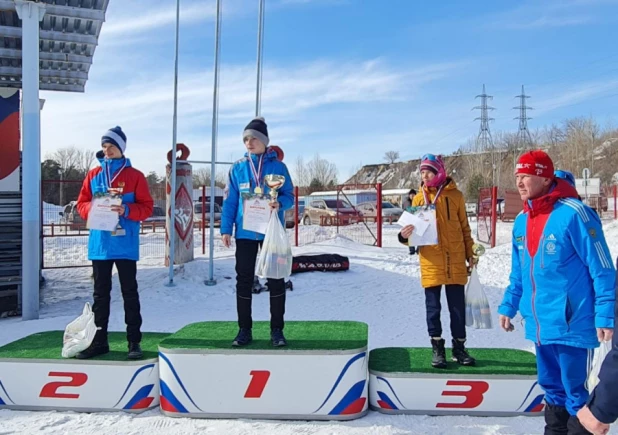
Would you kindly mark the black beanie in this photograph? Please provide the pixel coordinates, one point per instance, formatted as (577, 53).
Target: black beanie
(258, 129)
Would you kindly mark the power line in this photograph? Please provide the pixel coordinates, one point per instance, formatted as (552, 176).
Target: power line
(484, 141)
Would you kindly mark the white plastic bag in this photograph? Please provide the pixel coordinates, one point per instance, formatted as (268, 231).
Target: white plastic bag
(478, 312)
(276, 255)
(79, 334)
(597, 361)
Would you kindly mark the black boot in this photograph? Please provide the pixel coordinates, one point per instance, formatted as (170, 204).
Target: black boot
(277, 338)
(556, 419)
(99, 346)
(438, 360)
(243, 338)
(575, 427)
(460, 354)
(135, 351)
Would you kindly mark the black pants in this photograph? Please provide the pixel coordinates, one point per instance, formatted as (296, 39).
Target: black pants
(127, 271)
(456, 298)
(246, 255)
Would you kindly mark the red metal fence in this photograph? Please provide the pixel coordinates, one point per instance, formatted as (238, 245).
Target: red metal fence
(350, 211)
(65, 236)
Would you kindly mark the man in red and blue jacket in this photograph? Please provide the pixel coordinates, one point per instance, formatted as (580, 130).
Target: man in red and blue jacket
(120, 247)
(563, 283)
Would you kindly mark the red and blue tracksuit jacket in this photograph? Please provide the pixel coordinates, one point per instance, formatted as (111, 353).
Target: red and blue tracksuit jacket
(562, 278)
(102, 245)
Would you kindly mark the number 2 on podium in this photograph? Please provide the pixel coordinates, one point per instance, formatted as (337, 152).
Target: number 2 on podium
(259, 378)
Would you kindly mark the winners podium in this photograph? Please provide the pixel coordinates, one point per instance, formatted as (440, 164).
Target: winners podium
(325, 373)
(34, 376)
(320, 375)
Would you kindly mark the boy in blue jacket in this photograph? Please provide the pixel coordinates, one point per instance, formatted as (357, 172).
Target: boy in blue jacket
(246, 180)
(563, 283)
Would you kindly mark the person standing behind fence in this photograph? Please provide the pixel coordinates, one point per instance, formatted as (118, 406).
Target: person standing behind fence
(120, 247)
(407, 203)
(246, 180)
(444, 264)
(563, 283)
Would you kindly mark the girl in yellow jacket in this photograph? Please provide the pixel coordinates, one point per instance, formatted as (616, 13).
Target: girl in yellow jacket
(444, 264)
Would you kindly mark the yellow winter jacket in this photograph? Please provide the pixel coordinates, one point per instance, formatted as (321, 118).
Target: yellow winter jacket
(445, 263)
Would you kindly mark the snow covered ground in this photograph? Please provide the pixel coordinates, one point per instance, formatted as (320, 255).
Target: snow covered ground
(382, 288)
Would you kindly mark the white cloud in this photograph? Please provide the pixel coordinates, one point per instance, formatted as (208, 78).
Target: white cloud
(550, 21)
(574, 95)
(143, 105)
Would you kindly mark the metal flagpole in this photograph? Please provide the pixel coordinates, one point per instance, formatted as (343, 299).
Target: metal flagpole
(213, 160)
(260, 38)
(172, 229)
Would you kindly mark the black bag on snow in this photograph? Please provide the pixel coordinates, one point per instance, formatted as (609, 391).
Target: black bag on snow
(320, 262)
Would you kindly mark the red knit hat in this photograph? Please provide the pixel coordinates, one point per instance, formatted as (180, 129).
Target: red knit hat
(537, 163)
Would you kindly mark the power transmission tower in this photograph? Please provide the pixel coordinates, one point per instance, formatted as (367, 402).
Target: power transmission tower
(524, 139)
(484, 141)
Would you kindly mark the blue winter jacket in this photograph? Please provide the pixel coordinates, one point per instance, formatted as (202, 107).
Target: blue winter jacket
(241, 181)
(103, 245)
(567, 289)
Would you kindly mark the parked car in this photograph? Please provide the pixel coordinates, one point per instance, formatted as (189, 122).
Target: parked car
(369, 209)
(289, 214)
(157, 216)
(71, 218)
(197, 213)
(339, 209)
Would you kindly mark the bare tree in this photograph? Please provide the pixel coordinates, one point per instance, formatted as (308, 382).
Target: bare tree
(322, 172)
(391, 156)
(301, 173)
(84, 160)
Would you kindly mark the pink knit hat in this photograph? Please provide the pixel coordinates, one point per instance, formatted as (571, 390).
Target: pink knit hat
(435, 164)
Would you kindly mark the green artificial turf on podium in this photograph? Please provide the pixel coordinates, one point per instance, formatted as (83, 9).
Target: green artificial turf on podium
(48, 345)
(323, 335)
(418, 360)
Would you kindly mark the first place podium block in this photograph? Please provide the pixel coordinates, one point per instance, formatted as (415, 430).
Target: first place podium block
(503, 383)
(34, 376)
(320, 375)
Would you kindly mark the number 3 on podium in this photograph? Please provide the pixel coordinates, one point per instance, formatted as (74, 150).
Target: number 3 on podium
(259, 378)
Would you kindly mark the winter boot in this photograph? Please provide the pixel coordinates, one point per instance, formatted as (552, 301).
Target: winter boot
(135, 351)
(243, 338)
(460, 354)
(575, 427)
(99, 346)
(257, 286)
(556, 420)
(438, 359)
(277, 338)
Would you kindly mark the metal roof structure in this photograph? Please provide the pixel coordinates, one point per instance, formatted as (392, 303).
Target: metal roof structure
(69, 34)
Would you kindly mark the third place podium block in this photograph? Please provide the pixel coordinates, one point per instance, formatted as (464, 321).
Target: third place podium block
(320, 375)
(503, 383)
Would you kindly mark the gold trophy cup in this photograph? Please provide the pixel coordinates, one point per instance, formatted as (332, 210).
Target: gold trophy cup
(275, 182)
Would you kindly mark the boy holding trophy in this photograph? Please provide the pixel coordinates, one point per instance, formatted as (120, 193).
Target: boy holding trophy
(246, 210)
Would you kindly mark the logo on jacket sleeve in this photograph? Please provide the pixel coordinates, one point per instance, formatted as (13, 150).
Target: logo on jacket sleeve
(551, 238)
(592, 232)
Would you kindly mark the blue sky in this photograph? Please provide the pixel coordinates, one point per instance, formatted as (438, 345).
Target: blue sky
(348, 79)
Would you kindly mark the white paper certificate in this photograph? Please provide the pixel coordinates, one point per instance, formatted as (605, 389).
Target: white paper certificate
(101, 217)
(256, 213)
(420, 226)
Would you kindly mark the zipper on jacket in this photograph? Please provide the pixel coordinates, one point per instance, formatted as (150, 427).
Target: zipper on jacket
(448, 210)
